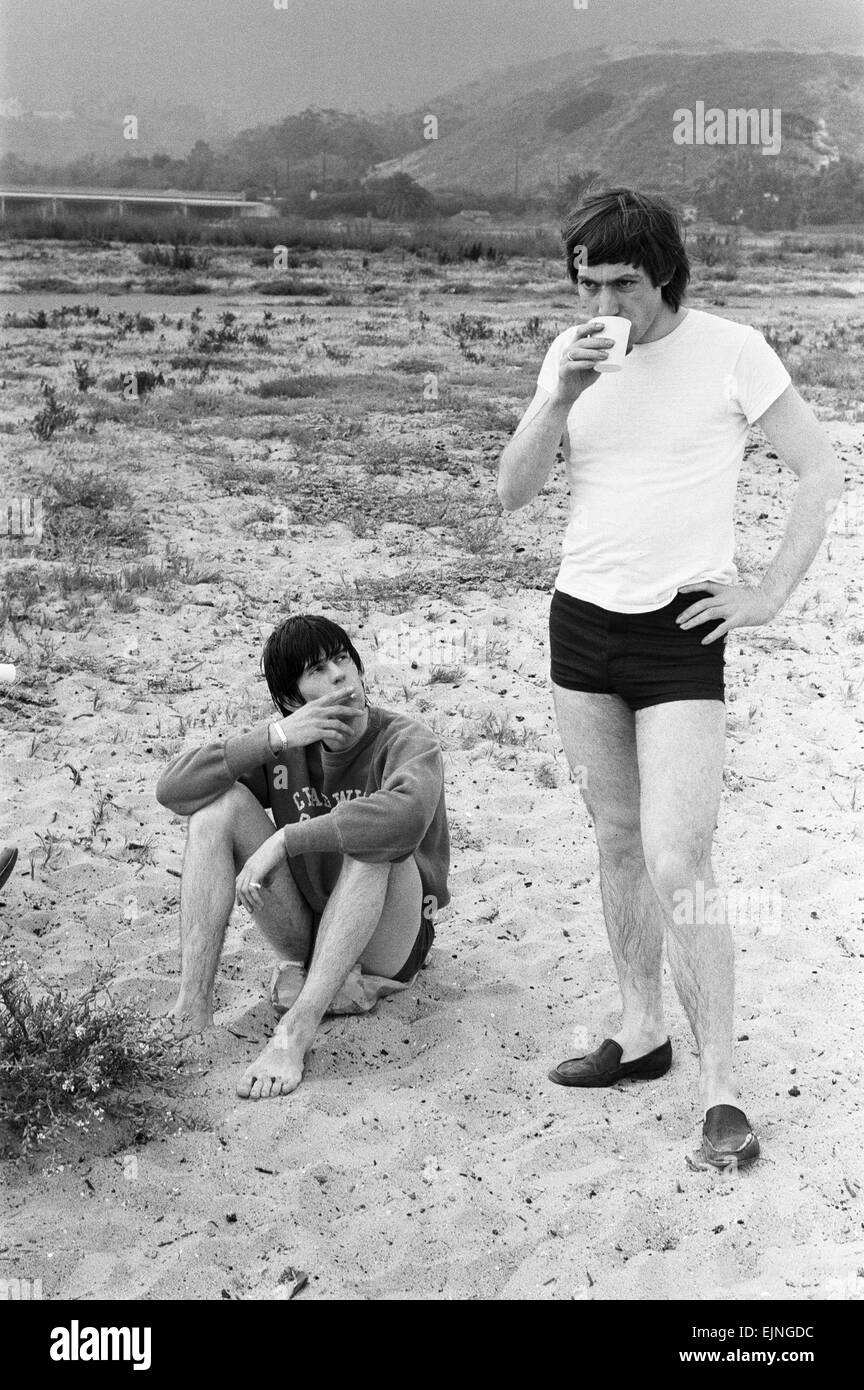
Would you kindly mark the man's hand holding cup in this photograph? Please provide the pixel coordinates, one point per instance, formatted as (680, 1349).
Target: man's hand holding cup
(597, 346)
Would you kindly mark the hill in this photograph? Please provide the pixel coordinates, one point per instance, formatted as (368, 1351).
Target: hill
(535, 124)
(525, 130)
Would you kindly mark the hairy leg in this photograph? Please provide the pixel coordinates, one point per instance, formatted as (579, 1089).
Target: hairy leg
(220, 839)
(599, 739)
(372, 916)
(680, 748)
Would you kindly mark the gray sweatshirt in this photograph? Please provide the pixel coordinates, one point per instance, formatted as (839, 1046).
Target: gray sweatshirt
(380, 801)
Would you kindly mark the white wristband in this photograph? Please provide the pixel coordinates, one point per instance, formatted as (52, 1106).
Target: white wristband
(283, 741)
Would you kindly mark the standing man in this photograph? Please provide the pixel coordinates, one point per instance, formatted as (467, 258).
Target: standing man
(344, 880)
(645, 595)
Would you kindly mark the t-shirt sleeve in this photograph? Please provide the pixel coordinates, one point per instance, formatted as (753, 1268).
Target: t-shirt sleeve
(759, 377)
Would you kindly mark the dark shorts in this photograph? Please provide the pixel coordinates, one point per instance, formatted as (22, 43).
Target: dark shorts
(643, 657)
(419, 951)
(416, 956)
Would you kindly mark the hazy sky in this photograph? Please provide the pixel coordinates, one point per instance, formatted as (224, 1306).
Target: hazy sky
(251, 61)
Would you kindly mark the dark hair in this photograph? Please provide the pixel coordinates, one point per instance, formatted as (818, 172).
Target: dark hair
(294, 645)
(622, 227)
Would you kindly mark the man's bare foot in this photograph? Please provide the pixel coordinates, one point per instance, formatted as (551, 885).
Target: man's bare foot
(279, 1069)
(189, 1019)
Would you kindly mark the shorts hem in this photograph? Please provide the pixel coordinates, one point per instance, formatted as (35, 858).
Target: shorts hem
(677, 697)
(581, 689)
(417, 955)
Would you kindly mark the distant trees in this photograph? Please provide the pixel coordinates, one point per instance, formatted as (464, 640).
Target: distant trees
(330, 153)
(15, 171)
(401, 199)
(313, 149)
(754, 190)
(575, 188)
(836, 194)
(766, 195)
(200, 166)
(398, 198)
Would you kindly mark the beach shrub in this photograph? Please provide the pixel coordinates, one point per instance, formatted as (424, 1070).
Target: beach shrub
(293, 387)
(179, 256)
(293, 288)
(52, 417)
(84, 378)
(92, 508)
(71, 1060)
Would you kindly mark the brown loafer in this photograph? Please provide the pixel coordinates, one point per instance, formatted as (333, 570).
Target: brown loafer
(604, 1067)
(727, 1139)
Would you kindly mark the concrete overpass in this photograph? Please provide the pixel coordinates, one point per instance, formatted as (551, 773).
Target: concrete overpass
(120, 201)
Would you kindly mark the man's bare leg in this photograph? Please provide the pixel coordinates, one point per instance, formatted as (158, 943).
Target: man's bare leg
(598, 734)
(372, 916)
(220, 839)
(680, 748)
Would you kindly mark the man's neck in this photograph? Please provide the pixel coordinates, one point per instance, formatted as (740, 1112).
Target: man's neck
(666, 322)
(361, 727)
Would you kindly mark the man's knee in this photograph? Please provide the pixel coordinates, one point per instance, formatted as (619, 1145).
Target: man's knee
(619, 837)
(674, 867)
(359, 868)
(219, 817)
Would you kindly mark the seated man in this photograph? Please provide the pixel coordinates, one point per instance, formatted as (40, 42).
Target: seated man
(349, 882)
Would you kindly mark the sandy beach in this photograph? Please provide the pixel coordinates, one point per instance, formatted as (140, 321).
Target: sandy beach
(425, 1156)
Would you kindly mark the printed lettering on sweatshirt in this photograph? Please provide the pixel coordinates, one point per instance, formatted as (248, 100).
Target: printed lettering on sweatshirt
(306, 798)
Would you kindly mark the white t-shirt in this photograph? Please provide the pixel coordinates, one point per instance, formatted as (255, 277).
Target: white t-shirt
(653, 454)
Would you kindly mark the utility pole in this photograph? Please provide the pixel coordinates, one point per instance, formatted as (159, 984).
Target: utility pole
(516, 175)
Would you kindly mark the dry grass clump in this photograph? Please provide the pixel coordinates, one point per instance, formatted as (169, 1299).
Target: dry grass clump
(72, 1060)
(91, 509)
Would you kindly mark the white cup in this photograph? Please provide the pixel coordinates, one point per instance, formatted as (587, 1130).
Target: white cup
(618, 329)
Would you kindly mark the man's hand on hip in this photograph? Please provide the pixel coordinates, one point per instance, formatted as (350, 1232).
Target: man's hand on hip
(733, 605)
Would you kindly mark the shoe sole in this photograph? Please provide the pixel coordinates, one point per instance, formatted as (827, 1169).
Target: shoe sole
(611, 1081)
(736, 1161)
